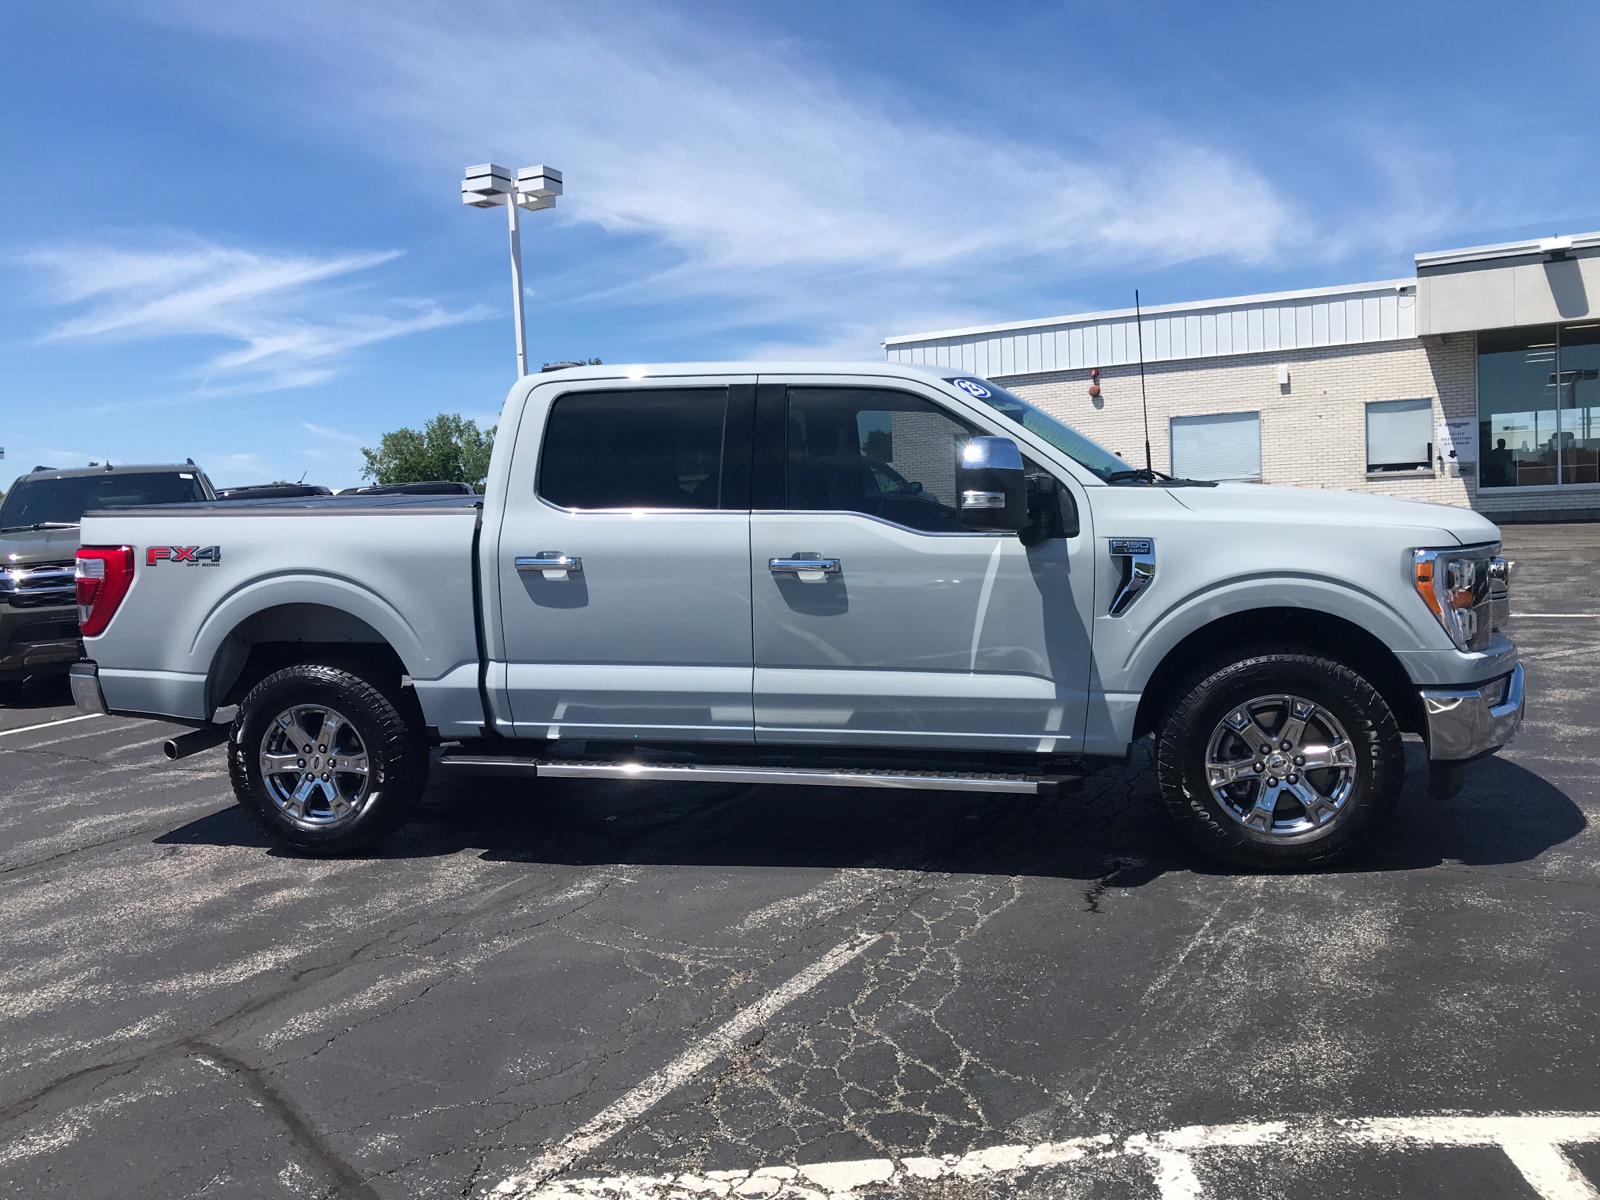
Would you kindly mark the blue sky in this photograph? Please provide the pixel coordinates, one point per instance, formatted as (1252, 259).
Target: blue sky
(233, 232)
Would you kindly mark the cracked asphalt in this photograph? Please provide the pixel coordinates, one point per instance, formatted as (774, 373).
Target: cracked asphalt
(188, 1013)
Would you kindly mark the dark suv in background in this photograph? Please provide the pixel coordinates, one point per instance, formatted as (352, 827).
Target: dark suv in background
(38, 542)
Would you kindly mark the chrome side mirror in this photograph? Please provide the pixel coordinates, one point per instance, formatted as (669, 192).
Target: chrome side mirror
(991, 490)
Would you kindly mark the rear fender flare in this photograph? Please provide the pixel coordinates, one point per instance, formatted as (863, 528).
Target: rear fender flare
(341, 595)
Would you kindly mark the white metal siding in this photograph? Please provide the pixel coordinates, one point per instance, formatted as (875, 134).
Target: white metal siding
(1250, 325)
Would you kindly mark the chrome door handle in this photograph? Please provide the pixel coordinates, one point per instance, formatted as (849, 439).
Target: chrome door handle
(551, 563)
(828, 566)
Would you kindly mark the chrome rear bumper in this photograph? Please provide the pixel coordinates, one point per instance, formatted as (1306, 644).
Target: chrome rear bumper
(1467, 723)
(86, 693)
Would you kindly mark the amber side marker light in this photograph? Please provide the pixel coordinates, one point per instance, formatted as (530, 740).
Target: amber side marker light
(1424, 569)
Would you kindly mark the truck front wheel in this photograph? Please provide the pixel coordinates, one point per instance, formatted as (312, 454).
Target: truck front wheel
(1280, 761)
(324, 761)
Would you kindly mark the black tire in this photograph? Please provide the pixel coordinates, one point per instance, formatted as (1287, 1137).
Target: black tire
(1303, 834)
(378, 731)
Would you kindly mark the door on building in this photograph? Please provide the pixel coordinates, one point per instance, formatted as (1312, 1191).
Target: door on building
(624, 565)
(909, 630)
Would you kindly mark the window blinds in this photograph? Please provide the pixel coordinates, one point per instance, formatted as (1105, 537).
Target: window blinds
(1217, 446)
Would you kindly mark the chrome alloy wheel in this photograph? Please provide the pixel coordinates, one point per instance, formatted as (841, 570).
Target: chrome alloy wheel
(315, 766)
(1281, 765)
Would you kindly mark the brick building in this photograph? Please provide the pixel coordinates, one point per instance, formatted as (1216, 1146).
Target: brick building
(1477, 382)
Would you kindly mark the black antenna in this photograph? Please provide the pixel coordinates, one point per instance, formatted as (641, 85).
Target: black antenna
(1138, 316)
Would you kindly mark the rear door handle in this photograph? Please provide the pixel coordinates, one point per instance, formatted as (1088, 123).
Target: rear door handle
(552, 564)
(828, 566)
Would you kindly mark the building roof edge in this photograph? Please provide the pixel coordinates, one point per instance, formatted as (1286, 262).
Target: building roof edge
(1466, 254)
(1353, 289)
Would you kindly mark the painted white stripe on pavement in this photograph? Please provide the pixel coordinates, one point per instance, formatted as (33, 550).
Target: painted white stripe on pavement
(1532, 1143)
(48, 724)
(1554, 616)
(605, 1125)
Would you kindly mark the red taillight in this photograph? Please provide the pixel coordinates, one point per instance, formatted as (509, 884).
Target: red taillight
(103, 575)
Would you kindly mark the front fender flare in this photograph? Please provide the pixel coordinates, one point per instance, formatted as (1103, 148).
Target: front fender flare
(1127, 655)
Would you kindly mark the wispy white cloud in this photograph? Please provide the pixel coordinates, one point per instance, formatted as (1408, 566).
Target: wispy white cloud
(750, 169)
(287, 320)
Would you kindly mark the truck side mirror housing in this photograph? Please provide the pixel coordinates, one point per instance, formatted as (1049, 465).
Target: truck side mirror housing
(991, 488)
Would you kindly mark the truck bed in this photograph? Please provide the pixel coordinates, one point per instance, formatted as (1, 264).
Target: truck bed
(326, 570)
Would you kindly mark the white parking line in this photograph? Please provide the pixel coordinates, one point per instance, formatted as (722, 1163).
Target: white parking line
(48, 724)
(1554, 616)
(606, 1124)
(1532, 1143)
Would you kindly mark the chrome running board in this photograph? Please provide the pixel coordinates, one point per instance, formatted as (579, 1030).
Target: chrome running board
(937, 781)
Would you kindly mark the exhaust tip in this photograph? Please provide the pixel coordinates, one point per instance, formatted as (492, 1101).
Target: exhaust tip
(193, 742)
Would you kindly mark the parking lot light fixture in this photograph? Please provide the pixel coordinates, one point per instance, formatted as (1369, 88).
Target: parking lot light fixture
(489, 185)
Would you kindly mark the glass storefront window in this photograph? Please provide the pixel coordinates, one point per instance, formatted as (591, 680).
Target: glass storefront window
(1539, 406)
(1517, 407)
(1579, 387)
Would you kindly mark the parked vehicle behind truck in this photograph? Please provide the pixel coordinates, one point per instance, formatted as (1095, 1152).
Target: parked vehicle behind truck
(38, 540)
(857, 575)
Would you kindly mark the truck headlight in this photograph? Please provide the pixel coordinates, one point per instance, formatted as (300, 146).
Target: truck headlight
(1456, 586)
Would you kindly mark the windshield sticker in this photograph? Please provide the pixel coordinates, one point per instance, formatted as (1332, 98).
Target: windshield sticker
(972, 388)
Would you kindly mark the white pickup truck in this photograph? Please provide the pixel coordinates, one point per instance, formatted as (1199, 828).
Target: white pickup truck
(853, 575)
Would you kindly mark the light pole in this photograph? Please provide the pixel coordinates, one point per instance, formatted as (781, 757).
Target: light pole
(534, 188)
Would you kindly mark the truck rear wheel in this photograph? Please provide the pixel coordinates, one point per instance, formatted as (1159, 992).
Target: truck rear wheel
(324, 761)
(1280, 761)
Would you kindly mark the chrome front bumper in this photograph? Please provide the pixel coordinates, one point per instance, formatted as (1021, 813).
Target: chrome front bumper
(1467, 723)
(86, 693)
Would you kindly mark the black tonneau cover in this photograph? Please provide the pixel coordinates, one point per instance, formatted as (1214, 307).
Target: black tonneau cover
(299, 506)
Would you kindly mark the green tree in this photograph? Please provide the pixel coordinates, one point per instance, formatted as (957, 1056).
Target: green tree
(448, 447)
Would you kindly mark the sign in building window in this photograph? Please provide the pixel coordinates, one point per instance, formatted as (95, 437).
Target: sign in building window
(1217, 446)
(1400, 435)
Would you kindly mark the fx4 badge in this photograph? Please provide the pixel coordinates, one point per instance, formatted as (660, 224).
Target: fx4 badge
(209, 555)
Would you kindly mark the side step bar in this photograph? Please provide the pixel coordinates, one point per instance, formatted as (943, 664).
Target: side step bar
(938, 781)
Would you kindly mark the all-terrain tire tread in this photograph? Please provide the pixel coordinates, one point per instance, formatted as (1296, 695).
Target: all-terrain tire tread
(392, 740)
(1374, 731)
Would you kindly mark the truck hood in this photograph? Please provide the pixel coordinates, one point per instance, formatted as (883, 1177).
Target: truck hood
(25, 548)
(1256, 503)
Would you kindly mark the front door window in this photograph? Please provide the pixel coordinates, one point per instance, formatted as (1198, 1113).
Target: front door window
(882, 453)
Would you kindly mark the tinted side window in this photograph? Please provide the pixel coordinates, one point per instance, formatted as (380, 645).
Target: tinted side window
(641, 448)
(869, 450)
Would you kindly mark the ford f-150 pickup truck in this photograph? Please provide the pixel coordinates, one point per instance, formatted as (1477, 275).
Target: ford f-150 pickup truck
(855, 575)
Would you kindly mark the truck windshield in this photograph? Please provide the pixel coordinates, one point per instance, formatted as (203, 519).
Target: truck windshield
(34, 502)
(1063, 437)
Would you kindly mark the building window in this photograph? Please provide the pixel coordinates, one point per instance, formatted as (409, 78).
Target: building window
(1400, 435)
(1539, 406)
(1217, 446)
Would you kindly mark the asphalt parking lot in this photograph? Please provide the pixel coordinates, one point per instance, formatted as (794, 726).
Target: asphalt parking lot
(653, 989)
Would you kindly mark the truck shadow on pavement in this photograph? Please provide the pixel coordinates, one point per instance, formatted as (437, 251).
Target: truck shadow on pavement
(1114, 832)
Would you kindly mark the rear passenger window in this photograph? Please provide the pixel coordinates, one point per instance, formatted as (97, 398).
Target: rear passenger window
(641, 448)
(869, 450)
